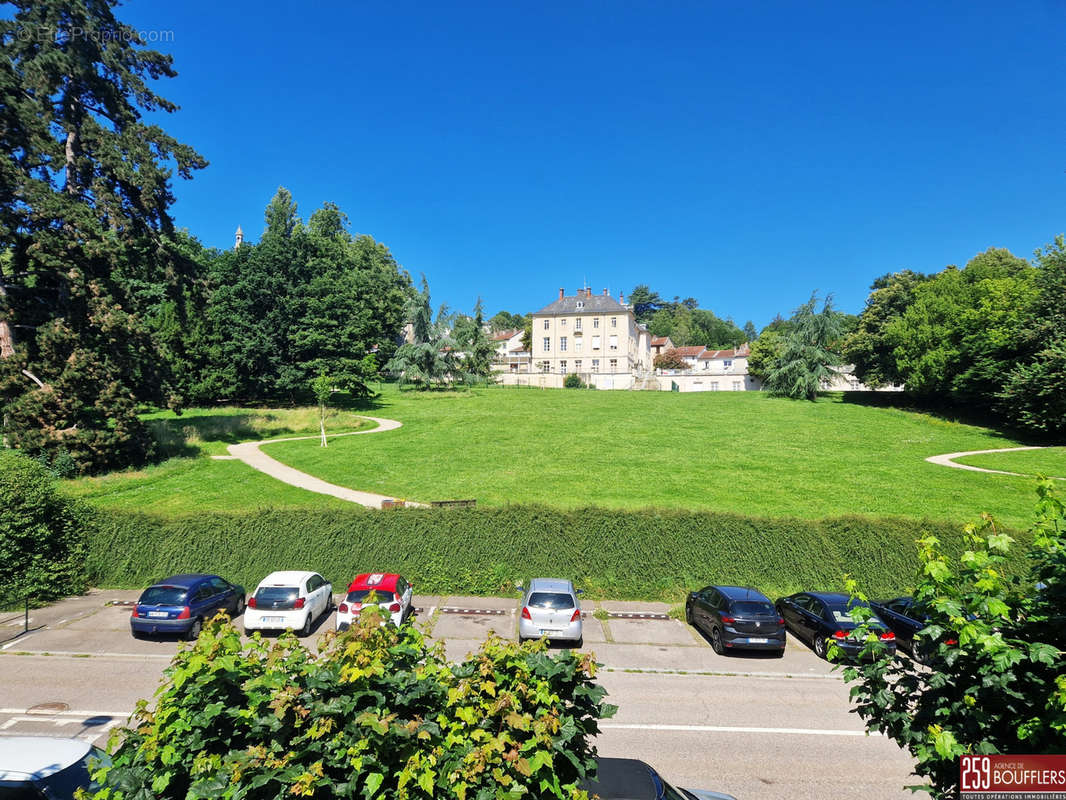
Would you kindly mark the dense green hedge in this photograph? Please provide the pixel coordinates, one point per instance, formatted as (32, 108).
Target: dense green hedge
(618, 554)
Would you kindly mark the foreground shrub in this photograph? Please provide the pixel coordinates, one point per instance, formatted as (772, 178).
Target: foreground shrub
(649, 554)
(573, 381)
(376, 713)
(42, 539)
(996, 682)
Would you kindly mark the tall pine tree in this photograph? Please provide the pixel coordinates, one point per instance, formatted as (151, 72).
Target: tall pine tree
(85, 233)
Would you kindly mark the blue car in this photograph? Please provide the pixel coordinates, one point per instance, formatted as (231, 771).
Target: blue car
(181, 603)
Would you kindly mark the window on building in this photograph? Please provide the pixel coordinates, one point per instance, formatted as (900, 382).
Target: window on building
(706, 364)
(514, 368)
(577, 324)
(562, 344)
(577, 343)
(545, 366)
(562, 367)
(595, 322)
(736, 386)
(563, 322)
(714, 386)
(614, 365)
(595, 365)
(577, 365)
(727, 363)
(547, 344)
(612, 342)
(595, 342)
(614, 322)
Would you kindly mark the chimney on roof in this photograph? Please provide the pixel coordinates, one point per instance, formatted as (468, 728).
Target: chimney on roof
(604, 291)
(621, 299)
(561, 292)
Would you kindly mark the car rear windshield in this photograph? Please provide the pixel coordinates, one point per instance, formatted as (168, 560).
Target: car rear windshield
(364, 596)
(164, 596)
(551, 600)
(748, 607)
(277, 596)
(842, 613)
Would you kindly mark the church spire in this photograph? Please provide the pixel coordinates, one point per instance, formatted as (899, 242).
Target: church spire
(240, 238)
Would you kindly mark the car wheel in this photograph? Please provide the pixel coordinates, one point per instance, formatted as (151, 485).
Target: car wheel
(918, 655)
(306, 629)
(239, 608)
(194, 630)
(688, 614)
(716, 641)
(821, 648)
(780, 653)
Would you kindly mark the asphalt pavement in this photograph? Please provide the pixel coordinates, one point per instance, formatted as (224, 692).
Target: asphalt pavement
(756, 726)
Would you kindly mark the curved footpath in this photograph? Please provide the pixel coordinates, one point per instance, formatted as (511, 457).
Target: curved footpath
(250, 454)
(946, 460)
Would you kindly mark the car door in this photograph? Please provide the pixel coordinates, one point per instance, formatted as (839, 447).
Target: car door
(403, 588)
(905, 620)
(789, 611)
(200, 601)
(808, 614)
(702, 609)
(314, 596)
(224, 598)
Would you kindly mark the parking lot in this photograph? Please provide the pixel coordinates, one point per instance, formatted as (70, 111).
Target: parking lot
(754, 725)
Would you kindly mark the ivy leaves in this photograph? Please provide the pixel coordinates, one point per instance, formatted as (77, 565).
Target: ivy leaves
(376, 712)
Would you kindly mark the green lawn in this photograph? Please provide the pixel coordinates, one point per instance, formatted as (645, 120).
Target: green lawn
(196, 482)
(1049, 461)
(742, 452)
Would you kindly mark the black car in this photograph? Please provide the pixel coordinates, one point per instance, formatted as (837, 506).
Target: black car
(632, 779)
(821, 617)
(904, 618)
(736, 617)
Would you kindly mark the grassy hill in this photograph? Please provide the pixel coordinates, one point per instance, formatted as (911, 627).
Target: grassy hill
(738, 452)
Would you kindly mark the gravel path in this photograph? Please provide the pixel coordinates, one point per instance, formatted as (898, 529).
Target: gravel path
(946, 460)
(250, 454)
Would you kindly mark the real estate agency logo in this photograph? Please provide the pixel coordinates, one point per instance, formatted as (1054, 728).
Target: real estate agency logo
(1027, 777)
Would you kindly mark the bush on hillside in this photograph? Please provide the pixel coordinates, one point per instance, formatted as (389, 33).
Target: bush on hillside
(42, 540)
(377, 713)
(573, 381)
(621, 554)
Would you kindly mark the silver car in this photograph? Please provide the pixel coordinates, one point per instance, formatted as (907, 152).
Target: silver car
(550, 609)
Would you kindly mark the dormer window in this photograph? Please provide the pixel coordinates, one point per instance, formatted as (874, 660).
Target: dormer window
(580, 304)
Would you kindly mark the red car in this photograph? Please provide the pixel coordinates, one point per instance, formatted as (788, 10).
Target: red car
(387, 590)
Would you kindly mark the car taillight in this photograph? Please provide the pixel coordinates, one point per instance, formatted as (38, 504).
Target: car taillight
(342, 608)
(888, 636)
(394, 608)
(299, 603)
(525, 614)
(780, 620)
(251, 602)
(576, 616)
(951, 641)
(185, 613)
(840, 635)
(728, 620)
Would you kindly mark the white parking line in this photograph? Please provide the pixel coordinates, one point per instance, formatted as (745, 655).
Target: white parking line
(734, 729)
(119, 714)
(76, 654)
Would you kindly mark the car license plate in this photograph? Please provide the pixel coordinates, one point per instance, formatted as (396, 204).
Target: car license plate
(757, 640)
(547, 631)
(162, 614)
(272, 619)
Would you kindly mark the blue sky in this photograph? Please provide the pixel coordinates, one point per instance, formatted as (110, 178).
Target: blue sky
(743, 153)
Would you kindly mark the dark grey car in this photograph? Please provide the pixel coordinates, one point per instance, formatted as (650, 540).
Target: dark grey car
(736, 618)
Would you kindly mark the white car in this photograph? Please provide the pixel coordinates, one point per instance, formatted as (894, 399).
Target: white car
(387, 590)
(42, 766)
(288, 599)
